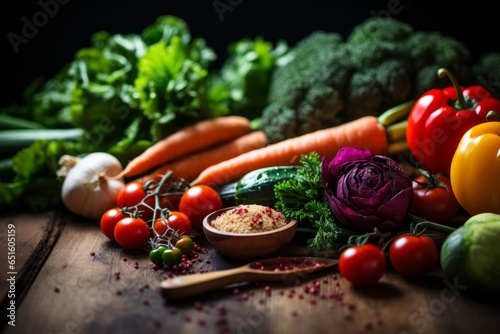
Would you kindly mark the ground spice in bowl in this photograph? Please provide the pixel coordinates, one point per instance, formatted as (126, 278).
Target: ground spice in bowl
(249, 218)
(248, 231)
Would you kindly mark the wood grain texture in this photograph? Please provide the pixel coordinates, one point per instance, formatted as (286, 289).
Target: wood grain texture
(34, 237)
(77, 292)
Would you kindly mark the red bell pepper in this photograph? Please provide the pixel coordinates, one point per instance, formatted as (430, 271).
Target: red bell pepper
(439, 119)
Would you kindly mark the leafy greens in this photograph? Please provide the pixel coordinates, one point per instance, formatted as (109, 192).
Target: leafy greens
(128, 91)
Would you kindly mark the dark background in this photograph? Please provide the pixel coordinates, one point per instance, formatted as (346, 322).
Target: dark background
(74, 21)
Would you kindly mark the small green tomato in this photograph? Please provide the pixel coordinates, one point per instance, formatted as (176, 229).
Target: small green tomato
(171, 257)
(185, 244)
(155, 255)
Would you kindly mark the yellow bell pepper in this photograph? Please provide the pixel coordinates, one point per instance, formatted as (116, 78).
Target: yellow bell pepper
(475, 169)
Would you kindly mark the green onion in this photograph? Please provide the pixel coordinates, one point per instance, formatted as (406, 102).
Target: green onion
(12, 122)
(12, 141)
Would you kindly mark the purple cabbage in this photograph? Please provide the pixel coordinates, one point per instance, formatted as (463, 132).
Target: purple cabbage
(366, 191)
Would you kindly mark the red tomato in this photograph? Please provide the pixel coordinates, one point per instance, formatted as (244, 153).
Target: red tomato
(433, 199)
(109, 220)
(362, 265)
(131, 196)
(132, 232)
(198, 201)
(170, 193)
(413, 256)
(178, 221)
(170, 202)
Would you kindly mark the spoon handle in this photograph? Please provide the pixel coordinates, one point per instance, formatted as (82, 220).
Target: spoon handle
(190, 285)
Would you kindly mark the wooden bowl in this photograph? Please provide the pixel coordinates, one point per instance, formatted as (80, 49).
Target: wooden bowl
(247, 246)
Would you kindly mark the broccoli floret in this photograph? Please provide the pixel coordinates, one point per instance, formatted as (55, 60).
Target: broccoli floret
(319, 108)
(370, 54)
(278, 122)
(378, 88)
(379, 29)
(487, 72)
(320, 50)
(433, 50)
(306, 93)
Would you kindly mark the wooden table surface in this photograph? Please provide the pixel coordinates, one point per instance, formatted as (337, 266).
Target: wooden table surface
(68, 278)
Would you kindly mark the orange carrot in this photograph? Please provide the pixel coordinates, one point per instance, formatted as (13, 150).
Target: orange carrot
(190, 166)
(365, 132)
(187, 140)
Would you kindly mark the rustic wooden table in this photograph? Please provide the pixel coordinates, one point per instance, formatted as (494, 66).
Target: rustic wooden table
(66, 277)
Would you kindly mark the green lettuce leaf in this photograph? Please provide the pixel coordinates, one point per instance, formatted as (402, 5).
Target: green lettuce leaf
(35, 185)
(246, 74)
(171, 87)
(128, 91)
(103, 100)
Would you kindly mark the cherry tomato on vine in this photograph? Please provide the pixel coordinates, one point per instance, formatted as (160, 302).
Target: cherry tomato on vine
(109, 220)
(185, 244)
(170, 193)
(198, 201)
(131, 232)
(155, 255)
(177, 220)
(170, 202)
(171, 257)
(433, 198)
(412, 255)
(132, 194)
(362, 265)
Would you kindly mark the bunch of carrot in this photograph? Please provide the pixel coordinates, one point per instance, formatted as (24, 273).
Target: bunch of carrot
(218, 151)
(192, 149)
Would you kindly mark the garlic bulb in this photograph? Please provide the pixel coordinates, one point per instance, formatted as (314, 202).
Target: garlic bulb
(89, 187)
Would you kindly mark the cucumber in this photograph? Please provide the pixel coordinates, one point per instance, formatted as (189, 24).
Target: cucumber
(257, 187)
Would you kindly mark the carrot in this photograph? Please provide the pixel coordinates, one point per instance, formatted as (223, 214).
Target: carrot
(365, 132)
(198, 136)
(190, 166)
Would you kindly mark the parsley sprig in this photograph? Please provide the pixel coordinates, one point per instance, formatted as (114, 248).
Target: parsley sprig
(303, 198)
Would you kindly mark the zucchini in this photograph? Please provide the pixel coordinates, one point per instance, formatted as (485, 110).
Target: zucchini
(257, 187)
(226, 193)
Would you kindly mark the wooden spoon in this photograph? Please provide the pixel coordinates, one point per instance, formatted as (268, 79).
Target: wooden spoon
(286, 269)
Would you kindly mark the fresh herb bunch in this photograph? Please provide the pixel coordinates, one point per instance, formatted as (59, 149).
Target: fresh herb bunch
(303, 198)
